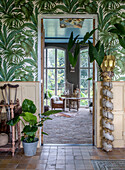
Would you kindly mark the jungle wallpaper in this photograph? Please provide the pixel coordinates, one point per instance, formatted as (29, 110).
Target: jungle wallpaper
(18, 32)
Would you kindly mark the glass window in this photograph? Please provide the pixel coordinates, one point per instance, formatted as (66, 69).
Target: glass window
(54, 73)
(51, 79)
(60, 58)
(84, 58)
(51, 57)
(60, 81)
(86, 71)
(44, 58)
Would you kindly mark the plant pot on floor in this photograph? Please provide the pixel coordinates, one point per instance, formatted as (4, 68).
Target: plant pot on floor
(30, 148)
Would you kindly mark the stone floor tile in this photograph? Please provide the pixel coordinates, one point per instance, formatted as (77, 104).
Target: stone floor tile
(41, 167)
(73, 134)
(21, 166)
(12, 166)
(60, 166)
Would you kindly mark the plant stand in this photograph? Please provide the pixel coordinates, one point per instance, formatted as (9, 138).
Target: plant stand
(13, 144)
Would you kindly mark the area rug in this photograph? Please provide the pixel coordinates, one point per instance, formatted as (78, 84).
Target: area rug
(108, 164)
(64, 114)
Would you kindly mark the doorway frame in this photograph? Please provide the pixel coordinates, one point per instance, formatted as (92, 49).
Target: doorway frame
(41, 61)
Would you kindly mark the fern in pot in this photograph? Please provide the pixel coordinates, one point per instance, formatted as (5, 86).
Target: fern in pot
(30, 125)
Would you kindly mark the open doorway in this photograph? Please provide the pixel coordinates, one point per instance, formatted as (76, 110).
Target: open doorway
(52, 46)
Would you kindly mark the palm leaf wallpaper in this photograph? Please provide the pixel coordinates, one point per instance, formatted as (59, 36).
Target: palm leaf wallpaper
(18, 32)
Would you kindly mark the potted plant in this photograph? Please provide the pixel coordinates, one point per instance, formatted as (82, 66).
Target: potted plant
(74, 48)
(31, 124)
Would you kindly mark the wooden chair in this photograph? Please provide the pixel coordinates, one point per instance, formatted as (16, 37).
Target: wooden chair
(57, 102)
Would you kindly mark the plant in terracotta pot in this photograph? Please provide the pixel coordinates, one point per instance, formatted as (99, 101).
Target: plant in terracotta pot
(30, 125)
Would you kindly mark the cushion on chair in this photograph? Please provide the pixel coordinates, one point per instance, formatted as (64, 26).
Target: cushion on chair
(58, 102)
(55, 98)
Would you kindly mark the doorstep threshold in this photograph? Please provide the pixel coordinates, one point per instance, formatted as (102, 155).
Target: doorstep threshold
(68, 144)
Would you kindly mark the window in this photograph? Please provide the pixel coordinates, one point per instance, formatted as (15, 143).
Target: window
(54, 73)
(86, 71)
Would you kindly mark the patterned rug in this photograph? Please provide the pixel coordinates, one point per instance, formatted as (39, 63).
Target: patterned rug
(108, 164)
(64, 114)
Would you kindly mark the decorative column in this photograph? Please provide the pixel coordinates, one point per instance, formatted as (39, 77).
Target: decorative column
(107, 105)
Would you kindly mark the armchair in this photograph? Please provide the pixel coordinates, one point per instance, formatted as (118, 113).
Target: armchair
(57, 102)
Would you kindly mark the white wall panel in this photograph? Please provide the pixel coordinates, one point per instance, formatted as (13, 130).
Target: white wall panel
(118, 111)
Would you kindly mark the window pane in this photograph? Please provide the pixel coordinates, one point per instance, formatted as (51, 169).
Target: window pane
(60, 81)
(84, 58)
(51, 80)
(51, 57)
(91, 72)
(60, 58)
(84, 93)
(44, 57)
(84, 82)
(91, 84)
(91, 65)
(84, 102)
(44, 80)
(84, 76)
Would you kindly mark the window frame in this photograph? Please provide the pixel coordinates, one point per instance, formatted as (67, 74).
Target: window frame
(56, 68)
(88, 68)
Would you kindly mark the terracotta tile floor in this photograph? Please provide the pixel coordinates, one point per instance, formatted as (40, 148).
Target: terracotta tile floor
(52, 157)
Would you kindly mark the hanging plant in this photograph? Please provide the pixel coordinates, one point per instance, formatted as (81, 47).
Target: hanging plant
(73, 49)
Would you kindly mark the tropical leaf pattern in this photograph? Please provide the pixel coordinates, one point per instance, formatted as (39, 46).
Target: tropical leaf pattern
(18, 32)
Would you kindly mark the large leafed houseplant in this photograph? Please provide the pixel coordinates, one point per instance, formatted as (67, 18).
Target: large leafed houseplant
(30, 125)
